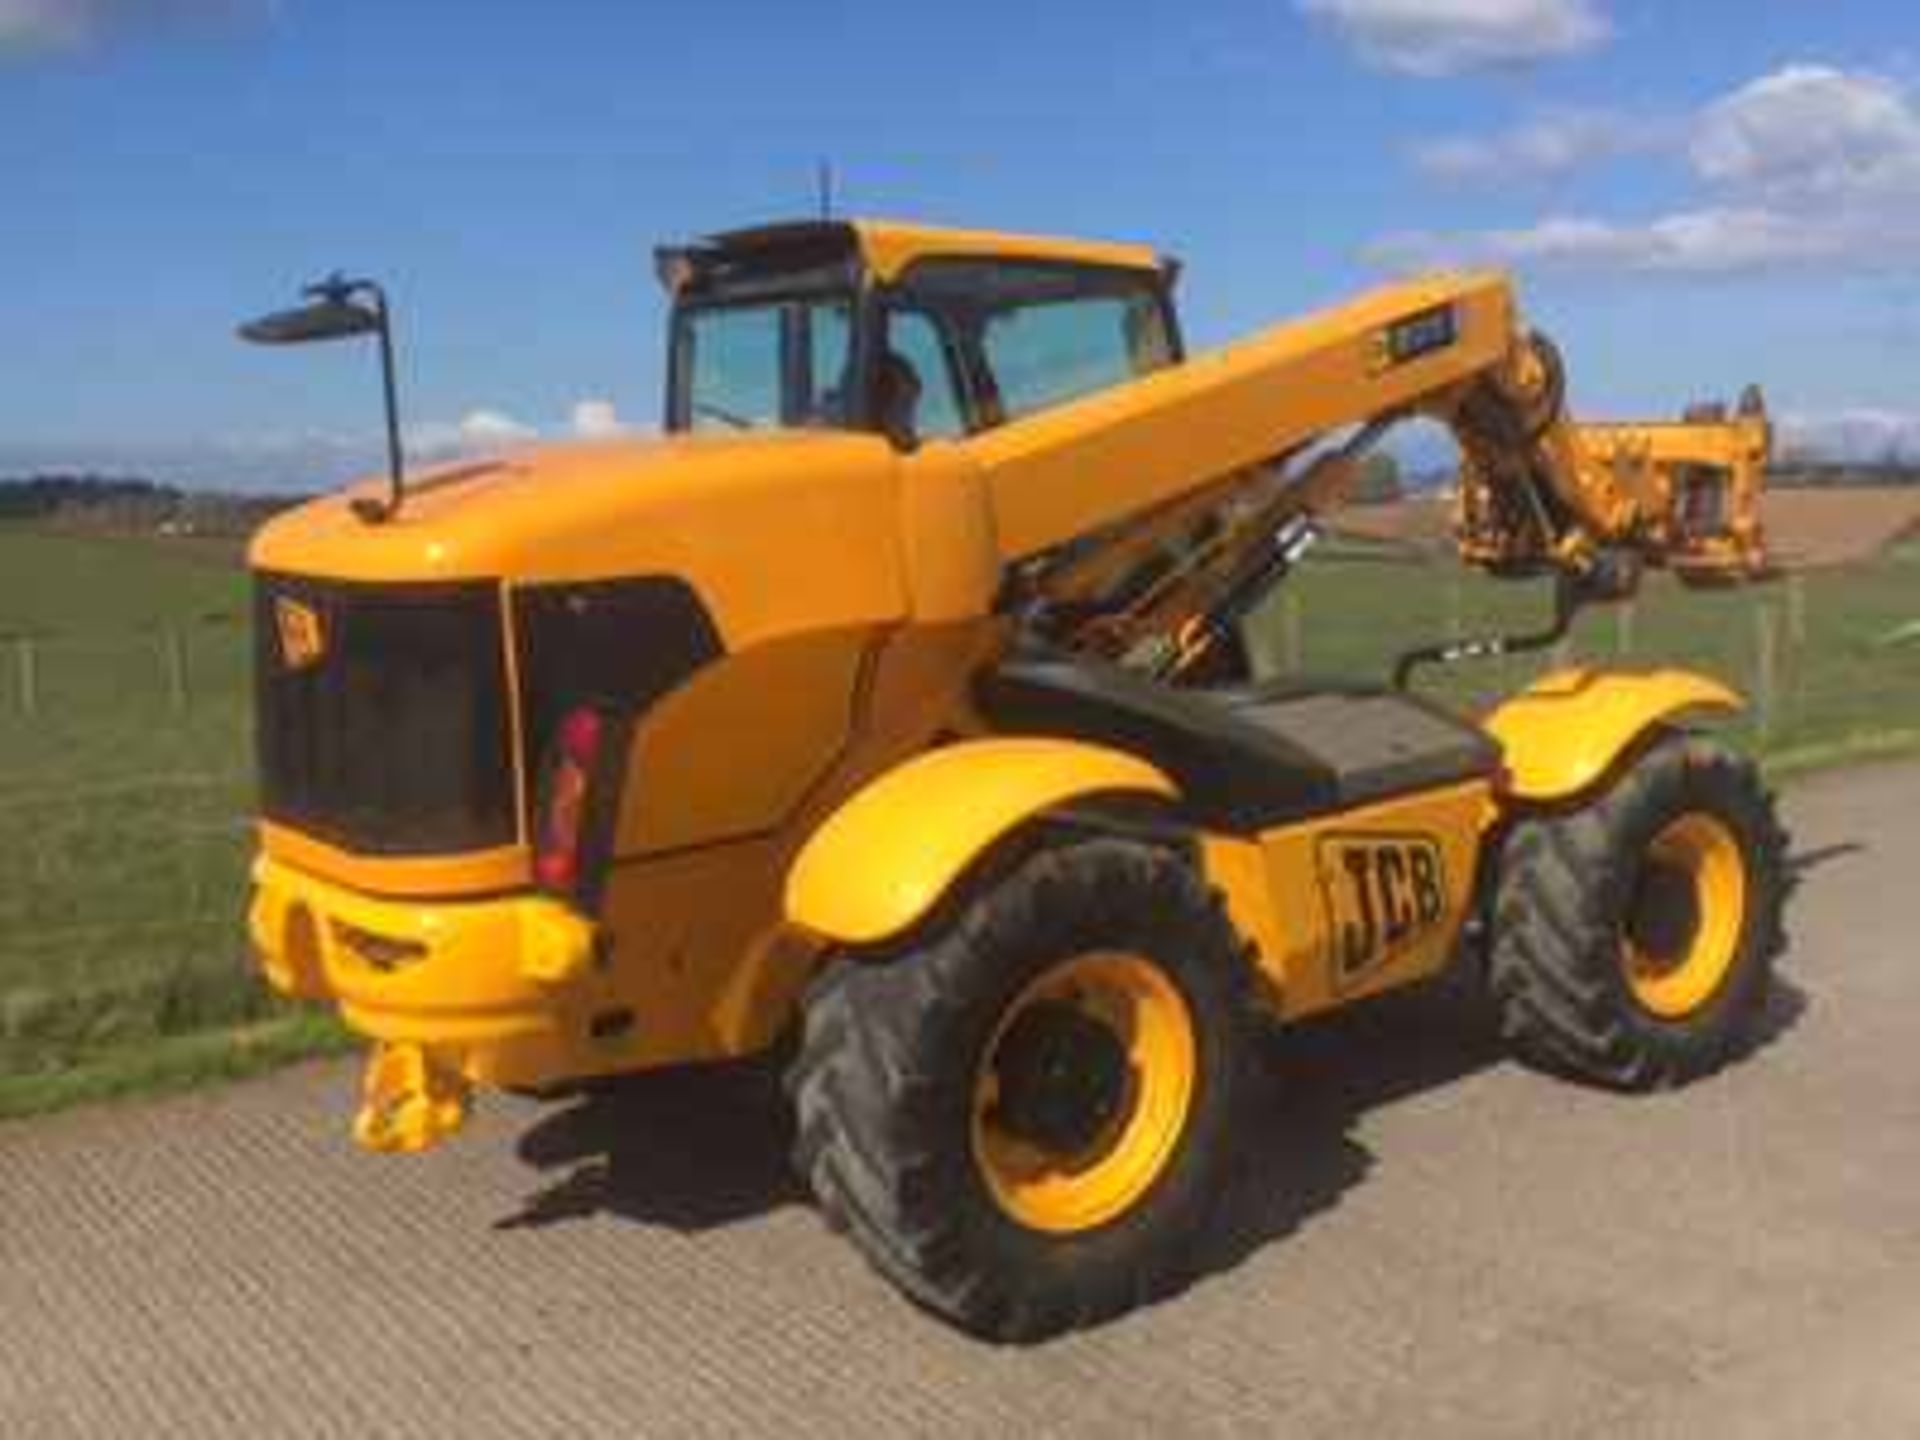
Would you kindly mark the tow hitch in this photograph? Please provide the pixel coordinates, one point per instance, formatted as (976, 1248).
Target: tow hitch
(408, 1101)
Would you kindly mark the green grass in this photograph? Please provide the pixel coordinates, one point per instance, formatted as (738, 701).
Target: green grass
(176, 1062)
(124, 796)
(1840, 678)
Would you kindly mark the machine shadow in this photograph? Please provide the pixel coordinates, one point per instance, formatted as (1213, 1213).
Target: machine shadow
(1315, 1082)
(690, 1149)
(1802, 863)
(697, 1149)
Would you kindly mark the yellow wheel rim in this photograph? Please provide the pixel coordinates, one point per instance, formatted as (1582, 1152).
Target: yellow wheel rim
(1083, 1091)
(1684, 926)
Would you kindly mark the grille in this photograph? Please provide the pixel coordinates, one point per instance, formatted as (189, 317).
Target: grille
(381, 714)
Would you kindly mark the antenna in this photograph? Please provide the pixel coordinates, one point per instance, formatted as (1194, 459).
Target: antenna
(823, 180)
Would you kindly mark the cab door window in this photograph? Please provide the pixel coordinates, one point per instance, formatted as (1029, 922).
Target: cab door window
(1046, 354)
(1033, 334)
(913, 340)
(781, 363)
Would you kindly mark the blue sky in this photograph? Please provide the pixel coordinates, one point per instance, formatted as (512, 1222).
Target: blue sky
(1696, 194)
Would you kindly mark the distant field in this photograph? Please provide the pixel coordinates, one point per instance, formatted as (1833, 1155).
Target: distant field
(124, 793)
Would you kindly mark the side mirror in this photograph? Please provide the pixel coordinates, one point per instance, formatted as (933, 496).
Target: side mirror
(338, 309)
(326, 318)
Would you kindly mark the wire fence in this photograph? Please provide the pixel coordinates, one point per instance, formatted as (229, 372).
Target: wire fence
(1822, 659)
(166, 668)
(125, 792)
(126, 776)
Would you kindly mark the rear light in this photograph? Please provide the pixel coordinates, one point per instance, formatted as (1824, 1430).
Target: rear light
(566, 811)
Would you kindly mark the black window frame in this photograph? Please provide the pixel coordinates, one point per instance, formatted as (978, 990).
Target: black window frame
(796, 351)
(978, 391)
(777, 280)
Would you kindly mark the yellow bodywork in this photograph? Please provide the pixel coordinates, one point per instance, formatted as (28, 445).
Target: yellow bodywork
(481, 974)
(1320, 938)
(827, 778)
(455, 994)
(882, 862)
(1064, 471)
(890, 246)
(1565, 732)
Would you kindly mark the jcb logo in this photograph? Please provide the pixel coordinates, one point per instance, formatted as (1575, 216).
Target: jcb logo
(1382, 891)
(303, 639)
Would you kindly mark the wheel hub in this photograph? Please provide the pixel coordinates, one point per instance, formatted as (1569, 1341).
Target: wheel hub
(1084, 1090)
(1666, 911)
(1063, 1077)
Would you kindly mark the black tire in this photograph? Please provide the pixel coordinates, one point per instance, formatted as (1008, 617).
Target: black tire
(884, 1090)
(1565, 896)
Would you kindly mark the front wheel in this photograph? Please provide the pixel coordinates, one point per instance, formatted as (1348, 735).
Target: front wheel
(1021, 1117)
(1634, 937)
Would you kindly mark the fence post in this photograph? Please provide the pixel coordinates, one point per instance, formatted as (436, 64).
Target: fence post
(1766, 677)
(29, 675)
(1796, 609)
(174, 648)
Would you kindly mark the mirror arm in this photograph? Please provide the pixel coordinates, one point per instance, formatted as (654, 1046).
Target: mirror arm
(390, 389)
(340, 290)
(339, 307)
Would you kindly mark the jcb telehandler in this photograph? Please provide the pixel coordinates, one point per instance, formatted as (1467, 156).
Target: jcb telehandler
(892, 705)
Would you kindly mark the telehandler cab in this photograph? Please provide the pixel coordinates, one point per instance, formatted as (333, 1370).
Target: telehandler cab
(892, 704)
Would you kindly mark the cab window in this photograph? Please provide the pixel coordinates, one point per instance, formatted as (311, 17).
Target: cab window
(913, 339)
(778, 363)
(1034, 334)
(1049, 353)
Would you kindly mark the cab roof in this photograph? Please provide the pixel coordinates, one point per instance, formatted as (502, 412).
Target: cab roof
(888, 247)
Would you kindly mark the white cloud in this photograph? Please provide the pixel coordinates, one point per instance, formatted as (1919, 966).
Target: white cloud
(1710, 241)
(476, 431)
(29, 26)
(1545, 146)
(596, 419)
(490, 427)
(1448, 37)
(1808, 167)
(1812, 133)
(41, 24)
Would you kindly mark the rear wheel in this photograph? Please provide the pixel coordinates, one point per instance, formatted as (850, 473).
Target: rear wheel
(1634, 937)
(1021, 1116)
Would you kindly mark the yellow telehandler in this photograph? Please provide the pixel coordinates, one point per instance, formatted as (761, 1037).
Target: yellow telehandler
(892, 705)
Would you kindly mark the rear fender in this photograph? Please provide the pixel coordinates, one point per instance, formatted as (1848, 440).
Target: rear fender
(887, 857)
(1564, 733)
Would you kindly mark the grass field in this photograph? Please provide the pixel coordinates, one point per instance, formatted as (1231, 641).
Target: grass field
(124, 792)
(125, 764)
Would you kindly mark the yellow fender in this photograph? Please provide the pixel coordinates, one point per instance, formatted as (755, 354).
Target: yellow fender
(1564, 732)
(883, 859)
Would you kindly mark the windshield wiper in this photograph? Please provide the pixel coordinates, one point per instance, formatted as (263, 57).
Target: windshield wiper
(725, 417)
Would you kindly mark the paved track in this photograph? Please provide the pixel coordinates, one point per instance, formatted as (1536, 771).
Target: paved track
(1428, 1241)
